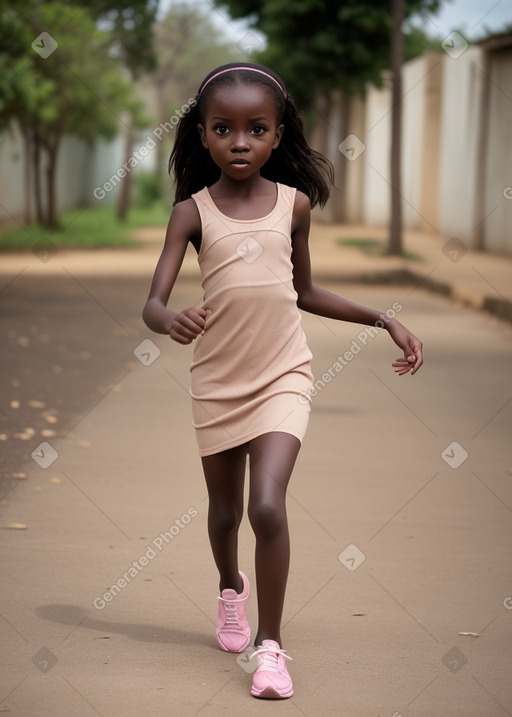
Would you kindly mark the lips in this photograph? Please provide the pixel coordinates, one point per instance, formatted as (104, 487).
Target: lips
(240, 162)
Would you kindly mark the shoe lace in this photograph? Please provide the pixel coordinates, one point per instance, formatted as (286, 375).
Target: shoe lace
(232, 617)
(270, 657)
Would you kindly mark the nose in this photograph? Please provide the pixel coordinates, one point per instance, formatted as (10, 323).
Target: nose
(239, 142)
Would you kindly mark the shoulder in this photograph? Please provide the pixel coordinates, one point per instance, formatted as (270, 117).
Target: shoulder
(185, 218)
(302, 202)
(301, 212)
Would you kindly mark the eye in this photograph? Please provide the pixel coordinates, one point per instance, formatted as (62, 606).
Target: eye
(220, 129)
(259, 130)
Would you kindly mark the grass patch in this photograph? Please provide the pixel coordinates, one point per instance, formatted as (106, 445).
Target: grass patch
(374, 247)
(90, 228)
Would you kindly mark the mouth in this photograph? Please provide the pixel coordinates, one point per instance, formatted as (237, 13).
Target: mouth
(239, 163)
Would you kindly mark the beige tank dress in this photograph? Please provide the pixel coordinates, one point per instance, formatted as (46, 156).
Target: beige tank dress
(250, 371)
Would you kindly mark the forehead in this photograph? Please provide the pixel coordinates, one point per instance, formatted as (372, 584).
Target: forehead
(241, 99)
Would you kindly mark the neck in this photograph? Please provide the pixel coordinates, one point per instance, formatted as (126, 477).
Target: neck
(240, 188)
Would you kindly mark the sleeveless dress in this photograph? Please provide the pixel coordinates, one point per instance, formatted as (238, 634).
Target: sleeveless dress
(251, 370)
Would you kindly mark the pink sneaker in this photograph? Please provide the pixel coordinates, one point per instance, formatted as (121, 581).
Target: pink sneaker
(271, 679)
(232, 629)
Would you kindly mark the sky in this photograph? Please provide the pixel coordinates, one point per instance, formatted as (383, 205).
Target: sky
(471, 17)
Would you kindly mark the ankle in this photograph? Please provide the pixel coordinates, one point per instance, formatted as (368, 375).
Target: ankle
(260, 636)
(236, 584)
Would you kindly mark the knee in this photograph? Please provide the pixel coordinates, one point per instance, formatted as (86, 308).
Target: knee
(224, 521)
(267, 520)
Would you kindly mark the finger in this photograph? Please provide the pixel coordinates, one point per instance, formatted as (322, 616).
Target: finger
(418, 351)
(198, 316)
(178, 338)
(182, 333)
(192, 323)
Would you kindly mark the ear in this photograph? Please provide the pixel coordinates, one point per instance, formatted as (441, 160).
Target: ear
(202, 134)
(279, 134)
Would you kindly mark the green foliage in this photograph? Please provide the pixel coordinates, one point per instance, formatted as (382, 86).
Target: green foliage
(76, 88)
(148, 189)
(79, 89)
(86, 229)
(188, 46)
(130, 27)
(416, 42)
(374, 247)
(322, 45)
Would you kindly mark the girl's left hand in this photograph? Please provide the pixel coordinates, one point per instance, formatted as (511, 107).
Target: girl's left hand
(412, 348)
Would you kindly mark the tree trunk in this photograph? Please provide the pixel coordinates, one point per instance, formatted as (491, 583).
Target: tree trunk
(27, 166)
(51, 190)
(161, 109)
(125, 189)
(36, 165)
(397, 55)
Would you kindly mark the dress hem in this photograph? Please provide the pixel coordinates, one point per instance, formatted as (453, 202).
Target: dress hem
(239, 442)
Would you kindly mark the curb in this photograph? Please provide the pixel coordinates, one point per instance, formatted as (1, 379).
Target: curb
(499, 307)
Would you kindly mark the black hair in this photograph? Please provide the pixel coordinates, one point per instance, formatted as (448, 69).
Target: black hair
(293, 162)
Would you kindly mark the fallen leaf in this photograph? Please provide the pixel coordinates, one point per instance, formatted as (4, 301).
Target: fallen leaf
(15, 404)
(55, 480)
(19, 476)
(470, 634)
(33, 403)
(15, 526)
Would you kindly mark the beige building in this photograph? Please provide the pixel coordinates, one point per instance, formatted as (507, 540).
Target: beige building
(456, 147)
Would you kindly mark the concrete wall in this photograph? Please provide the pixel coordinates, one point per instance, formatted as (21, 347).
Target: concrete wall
(497, 170)
(456, 149)
(375, 160)
(460, 132)
(81, 168)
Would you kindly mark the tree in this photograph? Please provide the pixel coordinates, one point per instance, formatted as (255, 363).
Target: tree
(187, 46)
(76, 89)
(397, 59)
(130, 29)
(319, 46)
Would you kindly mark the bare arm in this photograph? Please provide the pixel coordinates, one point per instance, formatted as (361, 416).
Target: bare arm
(186, 325)
(318, 301)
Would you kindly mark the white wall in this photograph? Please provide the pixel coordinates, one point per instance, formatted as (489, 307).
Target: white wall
(497, 208)
(80, 168)
(460, 129)
(376, 157)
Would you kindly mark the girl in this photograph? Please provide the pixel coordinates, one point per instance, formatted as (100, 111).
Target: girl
(246, 180)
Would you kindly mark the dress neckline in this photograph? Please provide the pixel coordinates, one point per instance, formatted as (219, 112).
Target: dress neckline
(244, 221)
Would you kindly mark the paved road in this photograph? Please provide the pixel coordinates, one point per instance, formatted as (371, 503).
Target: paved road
(400, 513)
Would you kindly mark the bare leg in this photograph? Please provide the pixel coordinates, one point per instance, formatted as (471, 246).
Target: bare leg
(225, 473)
(272, 457)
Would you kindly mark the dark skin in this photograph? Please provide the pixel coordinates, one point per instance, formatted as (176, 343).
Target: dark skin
(241, 130)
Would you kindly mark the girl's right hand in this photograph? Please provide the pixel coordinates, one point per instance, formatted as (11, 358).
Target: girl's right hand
(188, 325)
